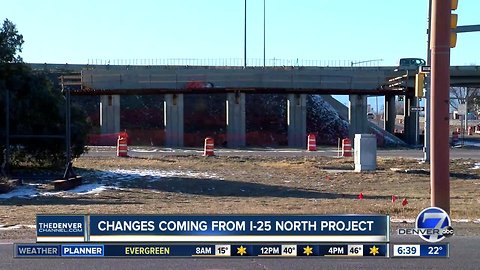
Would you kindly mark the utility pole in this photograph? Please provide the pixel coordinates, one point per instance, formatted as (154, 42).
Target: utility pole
(466, 110)
(440, 85)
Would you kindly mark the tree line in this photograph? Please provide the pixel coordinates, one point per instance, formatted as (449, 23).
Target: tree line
(36, 107)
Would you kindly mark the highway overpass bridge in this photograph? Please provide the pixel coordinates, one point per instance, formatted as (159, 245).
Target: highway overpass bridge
(110, 81)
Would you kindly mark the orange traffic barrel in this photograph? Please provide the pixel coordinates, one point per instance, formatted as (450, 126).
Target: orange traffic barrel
(311, 142)
(346, 148)
(122, 145)
(208, 148)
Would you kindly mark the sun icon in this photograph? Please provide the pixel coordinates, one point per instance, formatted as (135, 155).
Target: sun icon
(242, 250)
(308, 250)
(374, 250)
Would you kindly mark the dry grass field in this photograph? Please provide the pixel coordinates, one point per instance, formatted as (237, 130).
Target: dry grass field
(244, 185)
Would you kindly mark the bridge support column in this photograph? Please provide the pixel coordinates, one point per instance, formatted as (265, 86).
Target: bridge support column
(297, 120)
(410, 121)
(235, 119)
(109, 114)
(357, 114)
(389, 113)
(173, 120)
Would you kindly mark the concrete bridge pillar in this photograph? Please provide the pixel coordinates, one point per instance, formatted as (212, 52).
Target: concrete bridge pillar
(109, 114)
(410, 121)
(357, 114)
(173, 120)
(297, 120)
(235, 119)
(389, 113)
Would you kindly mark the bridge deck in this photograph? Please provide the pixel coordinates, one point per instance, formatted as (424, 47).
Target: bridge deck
(101, 80)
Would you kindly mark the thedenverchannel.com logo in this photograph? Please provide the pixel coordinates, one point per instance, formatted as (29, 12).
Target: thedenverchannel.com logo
(432, 225)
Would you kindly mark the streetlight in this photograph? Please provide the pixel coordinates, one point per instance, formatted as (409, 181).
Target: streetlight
(245, 37)
(264, 33)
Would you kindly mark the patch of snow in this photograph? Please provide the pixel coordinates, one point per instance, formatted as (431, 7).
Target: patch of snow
(461, 220)
(31, 192)
(88, 189)
(7, 228)
(15, 227)
(22, 192)
(49, 193)
(477, 166)
(109, 180)
(407, 220)
(144, 150)
(128, 174)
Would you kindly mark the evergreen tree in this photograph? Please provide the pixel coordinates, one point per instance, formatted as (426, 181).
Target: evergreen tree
(37, 107)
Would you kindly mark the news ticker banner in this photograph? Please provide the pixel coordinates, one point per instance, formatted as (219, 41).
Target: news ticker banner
(189, 250)
(213, 228)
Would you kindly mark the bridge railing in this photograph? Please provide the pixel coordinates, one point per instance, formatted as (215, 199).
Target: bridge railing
(251, 62)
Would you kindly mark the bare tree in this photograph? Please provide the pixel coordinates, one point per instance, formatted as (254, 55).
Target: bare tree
(461, 95)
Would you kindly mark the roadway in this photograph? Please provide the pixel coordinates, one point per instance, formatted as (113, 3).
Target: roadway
(463, 255)
(153, 152)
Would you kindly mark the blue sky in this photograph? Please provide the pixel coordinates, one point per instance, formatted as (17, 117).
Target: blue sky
(78, 31)
(337, 31)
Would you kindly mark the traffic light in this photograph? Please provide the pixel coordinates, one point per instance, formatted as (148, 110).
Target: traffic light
(419, 83)
(453, 24)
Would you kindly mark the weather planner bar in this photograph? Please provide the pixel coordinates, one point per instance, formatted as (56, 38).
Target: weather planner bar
(201, 250)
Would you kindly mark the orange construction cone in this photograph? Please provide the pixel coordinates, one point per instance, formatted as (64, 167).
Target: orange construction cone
(346, 148)
(311, 142)
(209, 145)
(122, 144)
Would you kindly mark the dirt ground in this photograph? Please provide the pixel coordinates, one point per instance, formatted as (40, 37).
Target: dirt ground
(252, 185)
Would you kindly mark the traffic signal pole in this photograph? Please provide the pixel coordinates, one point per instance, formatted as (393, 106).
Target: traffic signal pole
(426, 147)
(440, 84)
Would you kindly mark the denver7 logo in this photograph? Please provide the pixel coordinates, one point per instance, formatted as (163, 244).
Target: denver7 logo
(436, 221)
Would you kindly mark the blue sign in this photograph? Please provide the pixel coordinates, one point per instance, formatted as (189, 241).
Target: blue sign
(82, 250)
(434, 250)
(34, 250)
(60, 225)
(336, 225)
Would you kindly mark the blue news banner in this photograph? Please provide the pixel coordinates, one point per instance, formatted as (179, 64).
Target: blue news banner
(208, 235)
(226, 228)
